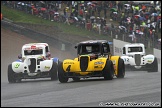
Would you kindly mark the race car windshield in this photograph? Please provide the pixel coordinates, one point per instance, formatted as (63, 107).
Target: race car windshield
(33, 52)
(88, 49)
(134, 49)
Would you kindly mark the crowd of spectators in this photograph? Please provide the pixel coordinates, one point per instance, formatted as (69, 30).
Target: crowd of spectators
(140, 22)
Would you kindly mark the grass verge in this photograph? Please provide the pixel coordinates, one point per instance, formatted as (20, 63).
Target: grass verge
(20, 16)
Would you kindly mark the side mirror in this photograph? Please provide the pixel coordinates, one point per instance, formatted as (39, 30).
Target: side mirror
(48, 54)
(20, 56)
(75, 47)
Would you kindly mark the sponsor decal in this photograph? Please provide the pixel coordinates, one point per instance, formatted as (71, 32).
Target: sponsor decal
(40, 57)
(33, 48)
(98, 63)
(114, 62)
(17, 65)
(47, 67)
(149, 60)
(118, 50)
(97, 66)
(69, 63)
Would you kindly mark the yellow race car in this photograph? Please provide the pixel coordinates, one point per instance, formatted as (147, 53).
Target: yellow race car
(94, 60)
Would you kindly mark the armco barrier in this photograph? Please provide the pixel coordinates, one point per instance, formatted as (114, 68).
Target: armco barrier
(55, 42)
(157, 54)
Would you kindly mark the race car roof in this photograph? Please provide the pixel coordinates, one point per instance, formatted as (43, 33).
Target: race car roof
(94, 41)
(35, 44)
(134, 44)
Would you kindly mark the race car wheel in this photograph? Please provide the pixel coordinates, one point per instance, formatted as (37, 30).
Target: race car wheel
(53, 71)
(121, 69)
(108, 71)
(154, 66)
(61, 74)
(11, 75)
(76, 79)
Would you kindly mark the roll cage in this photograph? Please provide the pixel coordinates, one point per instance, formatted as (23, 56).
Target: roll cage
(93, 47)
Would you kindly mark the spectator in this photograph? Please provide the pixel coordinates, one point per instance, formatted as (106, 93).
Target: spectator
(81, 13)
(90, 9)
(105, 7)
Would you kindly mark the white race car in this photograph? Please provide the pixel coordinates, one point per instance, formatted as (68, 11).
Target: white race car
(34, 62)
(135, 58)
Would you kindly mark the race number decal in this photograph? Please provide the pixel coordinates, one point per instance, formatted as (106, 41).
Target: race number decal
(126, 59)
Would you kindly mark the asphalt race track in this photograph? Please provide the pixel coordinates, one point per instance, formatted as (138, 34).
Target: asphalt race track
(137, 88)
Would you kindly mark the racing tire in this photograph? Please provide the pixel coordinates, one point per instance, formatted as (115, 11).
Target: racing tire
(154, 66)
(121, 69)
(108, 71)
(53, 71)
(76, 79)
(11, 74)
(61, 74)
(19, 80)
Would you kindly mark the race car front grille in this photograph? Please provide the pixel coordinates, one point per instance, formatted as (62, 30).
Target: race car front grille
(84, 63)
(32, 66)
(137, 59)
